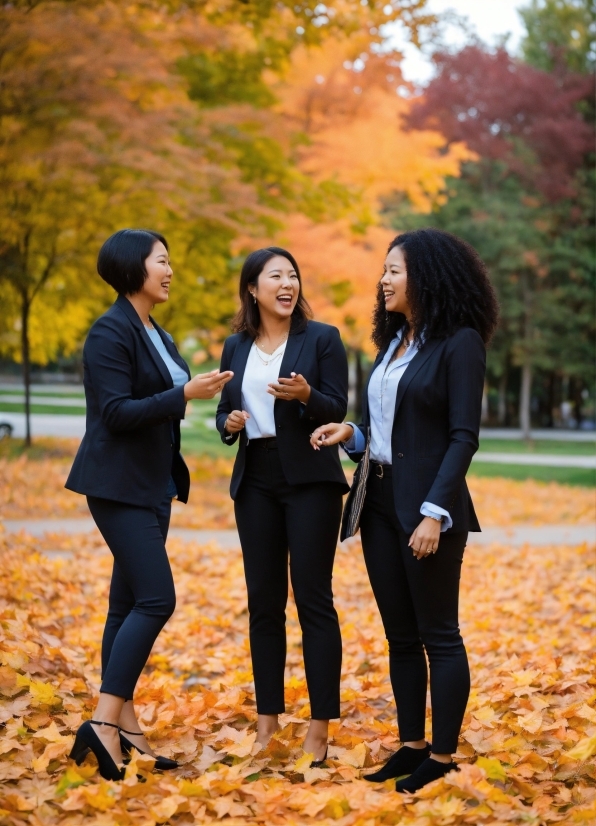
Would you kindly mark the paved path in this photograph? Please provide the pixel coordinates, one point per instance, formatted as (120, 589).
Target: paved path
(227, 539)
(543, 459)
(550, 434)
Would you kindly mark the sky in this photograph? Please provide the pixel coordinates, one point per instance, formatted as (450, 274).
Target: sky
(489, 19)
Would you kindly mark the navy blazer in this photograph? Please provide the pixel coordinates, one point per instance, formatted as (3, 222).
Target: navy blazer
(131, 445)
(319, 355)
(436, 428)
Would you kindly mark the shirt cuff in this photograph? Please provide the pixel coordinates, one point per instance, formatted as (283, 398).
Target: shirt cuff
(428, 509)
(356, 443)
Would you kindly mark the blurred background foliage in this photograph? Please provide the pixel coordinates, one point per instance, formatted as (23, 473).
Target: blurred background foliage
(233, 124)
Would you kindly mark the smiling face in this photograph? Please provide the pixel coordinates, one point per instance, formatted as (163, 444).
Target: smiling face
(156, 287)
(395, 282)
(277, 288)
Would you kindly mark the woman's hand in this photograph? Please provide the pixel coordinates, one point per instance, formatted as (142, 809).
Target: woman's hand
(206, 385)
(425, 539)
(236, 421)
(295, 387)
(331, 434)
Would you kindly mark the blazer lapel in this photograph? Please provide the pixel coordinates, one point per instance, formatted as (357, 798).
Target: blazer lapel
(132, 315)
(291, 353)
(238, 366)
(413, 367)
(171, 348)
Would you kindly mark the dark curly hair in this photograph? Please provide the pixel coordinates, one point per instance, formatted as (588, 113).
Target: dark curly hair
(447, 288)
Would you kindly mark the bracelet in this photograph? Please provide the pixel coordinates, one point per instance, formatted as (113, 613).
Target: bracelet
(434, 518)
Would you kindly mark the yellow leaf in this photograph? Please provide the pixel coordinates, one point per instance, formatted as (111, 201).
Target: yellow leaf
(167, 807)
(43, 694)
(304, 762)
(245, 747)
(493, 768)
(585, 749)
(355, 757)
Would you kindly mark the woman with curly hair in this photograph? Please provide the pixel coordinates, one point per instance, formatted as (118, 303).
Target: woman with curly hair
(435, 312)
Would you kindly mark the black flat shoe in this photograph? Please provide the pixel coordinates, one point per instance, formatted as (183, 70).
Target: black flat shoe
(426, 772)
(86, 740)
(161, 763)
(405, 761)
(316, 764)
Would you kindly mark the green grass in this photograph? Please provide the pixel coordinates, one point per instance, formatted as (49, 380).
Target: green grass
(53, 394)
(560, 448)
(14, 407)
(584, 477)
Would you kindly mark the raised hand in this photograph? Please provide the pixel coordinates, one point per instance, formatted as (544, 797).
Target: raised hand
(206, 385)
(295, 387)
(236, 421)
(330, 434)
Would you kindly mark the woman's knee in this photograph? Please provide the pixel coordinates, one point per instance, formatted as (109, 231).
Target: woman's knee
(159, 605)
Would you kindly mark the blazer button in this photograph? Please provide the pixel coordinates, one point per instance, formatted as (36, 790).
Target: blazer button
(400, 455)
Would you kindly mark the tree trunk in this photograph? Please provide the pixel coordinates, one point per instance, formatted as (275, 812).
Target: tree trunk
(525, 399)
(25, 308)
(502, 400)
(359, 384)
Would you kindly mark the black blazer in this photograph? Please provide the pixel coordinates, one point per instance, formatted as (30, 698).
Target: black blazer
(435, 429)
(319, 355)
(132, 441)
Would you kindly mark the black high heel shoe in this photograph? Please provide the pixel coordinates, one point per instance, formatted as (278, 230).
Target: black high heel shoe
(86, 740)
(317, 764)
(161, 763)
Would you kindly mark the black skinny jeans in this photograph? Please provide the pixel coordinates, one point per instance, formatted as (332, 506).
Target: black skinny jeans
(418, 601)
(273, 517)
(142, 596)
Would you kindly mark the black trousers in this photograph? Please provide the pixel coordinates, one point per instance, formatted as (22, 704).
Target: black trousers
(418, 601)
(274, 518)
(142, 596)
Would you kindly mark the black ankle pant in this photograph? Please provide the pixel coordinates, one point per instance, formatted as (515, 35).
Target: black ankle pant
(418, 601)
(274, 517)
(142, 596)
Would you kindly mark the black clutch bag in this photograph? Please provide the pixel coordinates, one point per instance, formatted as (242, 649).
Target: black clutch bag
(350, 521)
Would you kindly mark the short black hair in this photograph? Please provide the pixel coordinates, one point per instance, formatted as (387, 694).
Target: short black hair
(447, 288)
(248, 317)
(121, 260)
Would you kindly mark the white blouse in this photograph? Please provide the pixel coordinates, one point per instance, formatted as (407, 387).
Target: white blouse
(261, 370)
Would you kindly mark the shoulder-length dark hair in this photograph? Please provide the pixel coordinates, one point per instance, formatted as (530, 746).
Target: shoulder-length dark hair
(447, 288)
(121, 260)
(248, 317)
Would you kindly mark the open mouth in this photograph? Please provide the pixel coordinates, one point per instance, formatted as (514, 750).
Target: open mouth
(285, 300)
(165, 285)
(387, 296)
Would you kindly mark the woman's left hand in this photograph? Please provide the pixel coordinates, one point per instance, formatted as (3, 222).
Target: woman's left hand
(295, 387)
(425, 539)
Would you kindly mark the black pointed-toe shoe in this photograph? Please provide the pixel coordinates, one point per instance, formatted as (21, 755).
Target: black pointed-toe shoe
(405, 761)
(86, 740)
(426, 772)
(317, 764)
(161, 763)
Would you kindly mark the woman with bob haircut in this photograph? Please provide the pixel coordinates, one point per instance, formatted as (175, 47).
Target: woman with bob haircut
(290, 375)
(129, 467)
(435, 312)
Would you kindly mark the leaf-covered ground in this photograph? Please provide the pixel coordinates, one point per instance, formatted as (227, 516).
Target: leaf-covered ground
(34, 489)
(526, 751)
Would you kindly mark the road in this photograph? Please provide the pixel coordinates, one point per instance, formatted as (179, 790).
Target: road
(228, 539)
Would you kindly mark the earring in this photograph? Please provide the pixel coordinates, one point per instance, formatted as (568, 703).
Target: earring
(254, 298)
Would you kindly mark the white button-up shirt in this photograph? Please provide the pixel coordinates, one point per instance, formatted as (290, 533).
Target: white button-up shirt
(382, 394)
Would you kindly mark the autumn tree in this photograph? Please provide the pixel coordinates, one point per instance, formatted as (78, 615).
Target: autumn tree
(519, 202)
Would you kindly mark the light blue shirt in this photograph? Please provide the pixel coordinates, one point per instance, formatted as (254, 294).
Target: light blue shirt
(382, 394)
(179, 376)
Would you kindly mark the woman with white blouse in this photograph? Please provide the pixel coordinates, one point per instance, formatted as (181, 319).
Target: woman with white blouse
(290, 376)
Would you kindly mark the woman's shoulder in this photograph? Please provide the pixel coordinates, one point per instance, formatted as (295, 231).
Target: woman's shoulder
(318, 329)
(113, 320)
